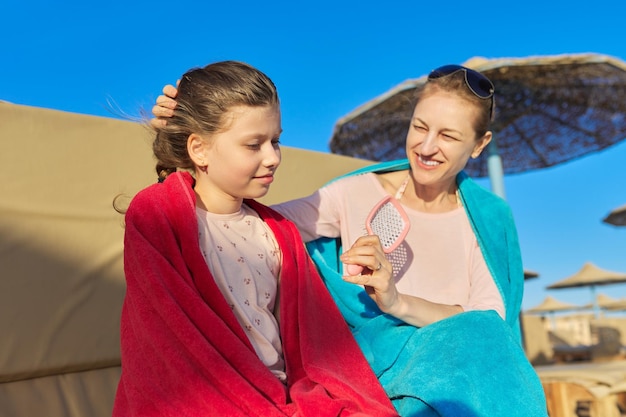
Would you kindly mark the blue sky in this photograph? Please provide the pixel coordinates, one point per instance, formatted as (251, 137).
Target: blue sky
(327, 58)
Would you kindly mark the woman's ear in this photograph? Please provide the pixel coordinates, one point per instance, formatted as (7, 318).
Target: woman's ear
(196, 147)
(481, 144)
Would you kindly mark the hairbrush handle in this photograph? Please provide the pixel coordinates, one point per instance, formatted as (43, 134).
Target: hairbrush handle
(353, 269)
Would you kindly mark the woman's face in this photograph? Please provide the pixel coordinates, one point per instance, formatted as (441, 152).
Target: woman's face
(442, 138)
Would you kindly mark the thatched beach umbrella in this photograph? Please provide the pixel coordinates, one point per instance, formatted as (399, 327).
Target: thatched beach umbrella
(550, 305)
(617, 305)
(549, 110)
(608, 304)
(528, 274)
(590, 276)
(616, 217)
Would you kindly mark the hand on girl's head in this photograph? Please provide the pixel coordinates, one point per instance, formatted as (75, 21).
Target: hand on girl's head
(171, 92)
(164, 107)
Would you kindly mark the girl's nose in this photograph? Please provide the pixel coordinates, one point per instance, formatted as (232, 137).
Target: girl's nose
(272, 156)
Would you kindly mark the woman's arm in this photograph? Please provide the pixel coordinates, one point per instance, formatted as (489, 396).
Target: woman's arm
(315, 216)
(377, 278)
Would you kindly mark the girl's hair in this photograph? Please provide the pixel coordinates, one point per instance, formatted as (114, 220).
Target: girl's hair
(455, 83)
(205, 96)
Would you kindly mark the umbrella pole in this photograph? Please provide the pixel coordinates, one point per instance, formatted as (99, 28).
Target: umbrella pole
(496, 172)
(596, 307)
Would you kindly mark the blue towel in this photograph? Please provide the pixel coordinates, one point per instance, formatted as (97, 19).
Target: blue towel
(469, 365)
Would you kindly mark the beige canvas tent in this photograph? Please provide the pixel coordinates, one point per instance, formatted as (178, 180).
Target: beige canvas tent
(62, 283)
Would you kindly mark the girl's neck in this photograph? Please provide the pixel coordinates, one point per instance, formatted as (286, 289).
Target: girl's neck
(217, 204)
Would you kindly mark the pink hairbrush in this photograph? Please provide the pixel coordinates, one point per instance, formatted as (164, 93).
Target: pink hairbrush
(389, 222)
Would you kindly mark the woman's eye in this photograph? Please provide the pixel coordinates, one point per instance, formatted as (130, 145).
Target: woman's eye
(254, 146)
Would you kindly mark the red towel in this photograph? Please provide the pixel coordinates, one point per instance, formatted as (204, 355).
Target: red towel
(184, 352)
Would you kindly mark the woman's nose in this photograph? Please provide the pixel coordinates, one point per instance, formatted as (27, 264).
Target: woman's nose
(430, 144)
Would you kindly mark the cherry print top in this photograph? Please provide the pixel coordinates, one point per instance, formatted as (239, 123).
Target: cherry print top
(245, 260)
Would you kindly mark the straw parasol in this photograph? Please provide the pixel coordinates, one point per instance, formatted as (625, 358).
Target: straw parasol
(590, 276)
(528, 274)
(608, 304)
(549, 110)
(551, 305)
(617, 305)
(616, 217)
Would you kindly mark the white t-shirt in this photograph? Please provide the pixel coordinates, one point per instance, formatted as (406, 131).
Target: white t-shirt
(245, 261)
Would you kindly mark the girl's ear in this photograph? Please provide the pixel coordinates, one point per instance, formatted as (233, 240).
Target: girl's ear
(196, 147)
(481, 144)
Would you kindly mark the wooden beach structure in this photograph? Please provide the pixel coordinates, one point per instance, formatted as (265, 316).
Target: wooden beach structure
(581, 362)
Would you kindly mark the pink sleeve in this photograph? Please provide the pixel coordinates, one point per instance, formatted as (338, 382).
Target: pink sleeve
(321, 213)
(484, 293)
(314, 216)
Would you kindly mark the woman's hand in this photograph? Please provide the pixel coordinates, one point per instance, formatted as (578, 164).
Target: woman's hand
(164, 107)
(377, 274)
(379, 282)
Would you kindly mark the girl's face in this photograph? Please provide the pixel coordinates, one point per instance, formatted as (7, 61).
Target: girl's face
(442, 138)
(241, 159)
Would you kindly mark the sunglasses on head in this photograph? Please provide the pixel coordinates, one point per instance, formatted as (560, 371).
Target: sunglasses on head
(476, 82)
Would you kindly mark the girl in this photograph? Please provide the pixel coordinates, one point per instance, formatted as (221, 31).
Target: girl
(224, 313)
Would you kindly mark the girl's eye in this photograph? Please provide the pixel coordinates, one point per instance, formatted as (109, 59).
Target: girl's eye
(419, 128)
(257, 146)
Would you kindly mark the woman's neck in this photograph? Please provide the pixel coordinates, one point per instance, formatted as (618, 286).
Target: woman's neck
(438, 198)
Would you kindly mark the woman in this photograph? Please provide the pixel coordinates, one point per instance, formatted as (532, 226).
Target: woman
(461, 255)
